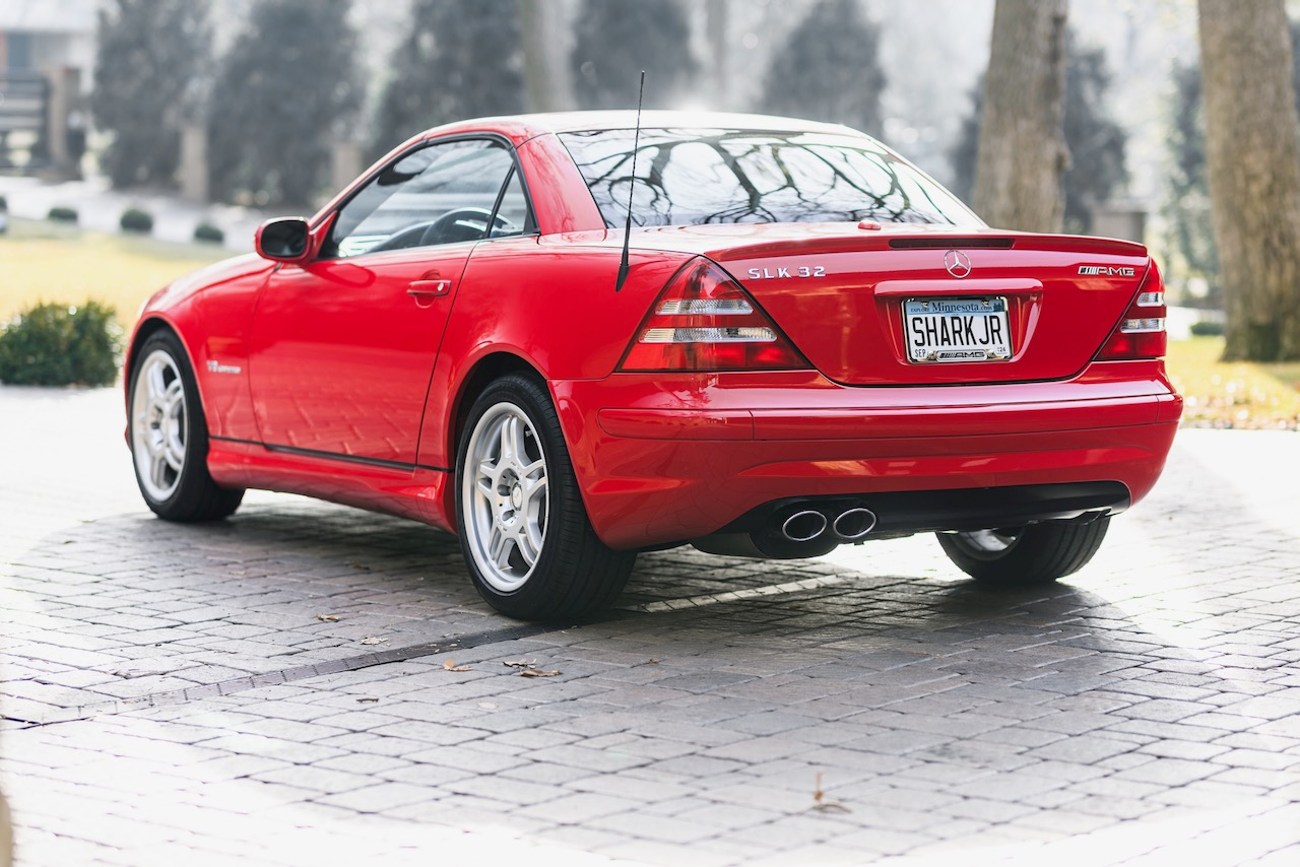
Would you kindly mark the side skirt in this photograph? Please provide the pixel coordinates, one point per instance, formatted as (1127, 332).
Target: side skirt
(378, 486)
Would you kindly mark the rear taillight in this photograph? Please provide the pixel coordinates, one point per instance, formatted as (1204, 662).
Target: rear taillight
(704, 320)
(1141, 333)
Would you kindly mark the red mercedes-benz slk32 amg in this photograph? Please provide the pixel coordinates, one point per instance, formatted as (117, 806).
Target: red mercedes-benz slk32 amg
(802, 341)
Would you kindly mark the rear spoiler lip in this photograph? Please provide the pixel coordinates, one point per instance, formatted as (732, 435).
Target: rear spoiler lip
(724, 242)
(854, 243)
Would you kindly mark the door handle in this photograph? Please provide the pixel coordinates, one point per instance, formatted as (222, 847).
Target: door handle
(429, 287)
(424, 291)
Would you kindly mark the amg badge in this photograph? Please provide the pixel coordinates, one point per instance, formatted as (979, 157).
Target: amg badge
(1106, 271)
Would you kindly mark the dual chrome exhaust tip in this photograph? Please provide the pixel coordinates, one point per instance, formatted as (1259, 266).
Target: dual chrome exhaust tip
(807, 525)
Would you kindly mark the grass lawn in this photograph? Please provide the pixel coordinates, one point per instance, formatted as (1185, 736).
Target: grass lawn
(1233, 395)
(42, 261)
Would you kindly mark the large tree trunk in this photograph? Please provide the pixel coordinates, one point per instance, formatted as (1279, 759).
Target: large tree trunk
(1253, 162)
(1022, 155)
(543, 29)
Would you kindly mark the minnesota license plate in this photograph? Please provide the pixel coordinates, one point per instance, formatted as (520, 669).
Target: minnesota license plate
(956, 329)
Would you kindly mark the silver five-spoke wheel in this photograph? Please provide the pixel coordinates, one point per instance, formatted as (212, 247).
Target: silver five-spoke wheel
(528, 542)
(168, 435)
(159, 425)
(507, 504)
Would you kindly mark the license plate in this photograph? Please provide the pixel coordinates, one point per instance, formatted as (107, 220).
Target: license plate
(956, 329)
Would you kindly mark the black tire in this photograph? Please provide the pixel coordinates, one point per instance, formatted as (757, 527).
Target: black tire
(1025, 556)
(571, 573)
(184, 493)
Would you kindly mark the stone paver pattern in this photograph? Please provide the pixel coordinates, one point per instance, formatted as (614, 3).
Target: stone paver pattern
(309, 684)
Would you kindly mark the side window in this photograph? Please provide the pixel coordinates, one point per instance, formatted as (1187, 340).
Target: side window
(440, 194)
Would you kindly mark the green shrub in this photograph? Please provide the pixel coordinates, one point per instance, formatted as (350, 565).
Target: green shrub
(210, 233)
(136, 220)
(1207, 328)
(4, 204)
(60, 214)
(52, 344)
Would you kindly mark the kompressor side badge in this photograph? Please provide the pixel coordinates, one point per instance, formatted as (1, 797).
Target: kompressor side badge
(1106, 271)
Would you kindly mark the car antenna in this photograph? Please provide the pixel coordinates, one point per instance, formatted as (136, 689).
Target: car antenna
(627, 229)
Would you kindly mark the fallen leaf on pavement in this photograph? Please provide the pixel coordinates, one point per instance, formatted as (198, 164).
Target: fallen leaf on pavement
(450, 665)
(821, 804)
(327, 618)
(372, 640)
(528, 668)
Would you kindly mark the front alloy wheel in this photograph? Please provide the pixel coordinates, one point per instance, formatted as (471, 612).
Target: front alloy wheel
(524, 531)
(169, 436)
(159, 430)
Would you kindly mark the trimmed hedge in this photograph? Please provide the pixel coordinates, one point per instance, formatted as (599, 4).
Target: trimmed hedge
(61, 214)
(209, 233)
(136, 220)
(1207, 328)
(54, 344)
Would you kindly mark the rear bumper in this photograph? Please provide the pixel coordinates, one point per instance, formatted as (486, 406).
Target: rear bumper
(906, 512)
(668, 460)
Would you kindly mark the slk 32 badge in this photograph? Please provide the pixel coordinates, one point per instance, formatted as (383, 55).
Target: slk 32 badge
(786, 272)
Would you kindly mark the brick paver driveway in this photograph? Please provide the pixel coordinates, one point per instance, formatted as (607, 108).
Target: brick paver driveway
(286, 688)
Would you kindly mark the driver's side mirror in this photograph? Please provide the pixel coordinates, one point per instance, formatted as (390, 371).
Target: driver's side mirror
(284, 239)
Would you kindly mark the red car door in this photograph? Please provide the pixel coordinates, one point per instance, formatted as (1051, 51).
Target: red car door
(343, 346)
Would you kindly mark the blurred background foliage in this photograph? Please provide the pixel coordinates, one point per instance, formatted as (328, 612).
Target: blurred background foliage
(287, 87)
(277, 84)
(276, 81)
(456, 60)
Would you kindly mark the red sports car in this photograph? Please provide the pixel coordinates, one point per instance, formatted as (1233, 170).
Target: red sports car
(568, 340)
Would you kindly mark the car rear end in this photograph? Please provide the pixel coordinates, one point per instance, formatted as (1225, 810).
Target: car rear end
(797, 385)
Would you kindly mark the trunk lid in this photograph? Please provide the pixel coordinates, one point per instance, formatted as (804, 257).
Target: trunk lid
(862, 303)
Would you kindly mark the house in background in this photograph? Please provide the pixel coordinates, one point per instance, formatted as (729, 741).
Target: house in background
(47, 55)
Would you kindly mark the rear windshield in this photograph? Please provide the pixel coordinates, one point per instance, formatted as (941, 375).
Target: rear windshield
(693, 176)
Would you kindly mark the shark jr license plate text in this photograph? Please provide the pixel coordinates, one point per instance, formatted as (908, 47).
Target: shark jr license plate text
(956, 329)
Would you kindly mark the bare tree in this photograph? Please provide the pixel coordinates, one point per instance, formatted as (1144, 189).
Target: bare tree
(1253, 163)
(715, 33)
(1022, 154)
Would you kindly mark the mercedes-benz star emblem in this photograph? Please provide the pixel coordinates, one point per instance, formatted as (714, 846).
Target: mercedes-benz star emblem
(957, 263)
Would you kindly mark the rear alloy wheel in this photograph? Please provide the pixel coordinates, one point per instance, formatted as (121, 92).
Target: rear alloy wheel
(530, 548)
(1025, 556)
(169, 437)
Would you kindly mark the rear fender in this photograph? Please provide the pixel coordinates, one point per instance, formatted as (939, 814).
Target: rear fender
(565, 322)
